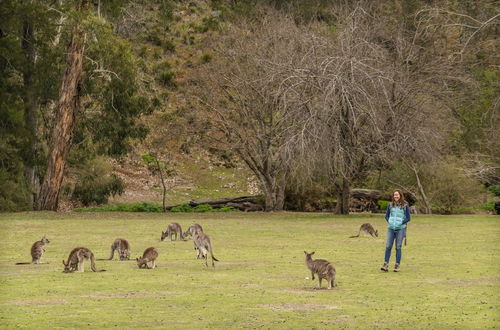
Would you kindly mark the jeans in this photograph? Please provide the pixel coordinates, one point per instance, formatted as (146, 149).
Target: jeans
(398, 235)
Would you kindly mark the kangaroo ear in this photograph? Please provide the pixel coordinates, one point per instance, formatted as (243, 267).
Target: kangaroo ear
(305, 252)
(64, 263)
(313, 252)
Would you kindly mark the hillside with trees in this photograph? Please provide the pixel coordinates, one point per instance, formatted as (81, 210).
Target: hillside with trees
(302, 103)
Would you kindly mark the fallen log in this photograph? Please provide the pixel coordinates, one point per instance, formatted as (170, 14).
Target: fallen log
(367, 194)
(243, 203)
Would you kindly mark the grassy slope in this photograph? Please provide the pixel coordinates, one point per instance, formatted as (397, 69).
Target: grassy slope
(450, 273)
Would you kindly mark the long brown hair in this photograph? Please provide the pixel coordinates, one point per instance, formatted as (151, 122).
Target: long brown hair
(402, 202)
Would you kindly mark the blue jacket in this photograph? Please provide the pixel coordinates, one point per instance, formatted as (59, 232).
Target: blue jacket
(395, 224)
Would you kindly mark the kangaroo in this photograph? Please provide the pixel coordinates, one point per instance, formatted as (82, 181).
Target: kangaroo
(122, 246)
(76, 259)
(203, 246)
(173, 228)
(194, 228)
(366, 227)
(150, 254)
(37, 251)
(323, 268)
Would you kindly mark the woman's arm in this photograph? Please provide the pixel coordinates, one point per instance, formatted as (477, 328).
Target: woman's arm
(407, 214)
(387, 212)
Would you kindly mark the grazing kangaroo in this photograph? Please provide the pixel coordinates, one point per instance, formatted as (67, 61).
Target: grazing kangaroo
(194, 228)
(203, 246)
(173, 228)
(150, 254)
(76, 259)
(366, 227)
(37, 251)
(323, 268)
(122, 246)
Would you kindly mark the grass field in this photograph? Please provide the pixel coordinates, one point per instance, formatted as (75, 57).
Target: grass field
(450, 274)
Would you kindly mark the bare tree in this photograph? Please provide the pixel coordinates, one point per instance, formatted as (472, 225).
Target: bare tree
(386, 96)
(302, 101)
(260, 97)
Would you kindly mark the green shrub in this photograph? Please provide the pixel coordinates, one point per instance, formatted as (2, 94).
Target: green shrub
(449, 189)
(154, 37)
(488, 206)
(134, 207)
(226, 209)
(165, 74)
(157, 53)
(182, 208)
(383, 204)
(95, 183)
(166, 10)
(495, 190)
(154, 208)
(311, 198)
(168, 45)
(203, 208)
(205, 58)
(143, 51)
(208, 23)
(188, 39)
(14, 193)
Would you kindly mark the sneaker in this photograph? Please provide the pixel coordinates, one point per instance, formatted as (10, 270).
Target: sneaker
(396, 268)
(385, 267)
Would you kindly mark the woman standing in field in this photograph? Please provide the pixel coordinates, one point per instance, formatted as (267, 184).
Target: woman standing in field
(396, 215)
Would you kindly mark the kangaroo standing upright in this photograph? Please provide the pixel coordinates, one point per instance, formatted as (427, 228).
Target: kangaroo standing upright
(76, 259)
(122, 246)
(173, 228)
(203, 246)
(323, 268)
(368, 228)
(149, 255)
(37, 251)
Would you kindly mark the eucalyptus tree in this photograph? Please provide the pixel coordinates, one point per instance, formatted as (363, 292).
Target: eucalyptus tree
(98, 90)
(75, 80)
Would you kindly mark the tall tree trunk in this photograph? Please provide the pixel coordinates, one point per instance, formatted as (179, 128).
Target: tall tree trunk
(270, 197)
(30, 111)
(274, 193)
(67, 109)
(346, 138)
(280, 196)
(344, 194)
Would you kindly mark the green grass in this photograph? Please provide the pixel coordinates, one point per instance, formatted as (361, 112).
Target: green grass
(449, 279)
(219, 182)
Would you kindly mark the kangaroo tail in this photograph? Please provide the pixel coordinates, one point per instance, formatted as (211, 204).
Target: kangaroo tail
(92, 264)
(359, 232)
(23, 263)
(212, 253)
